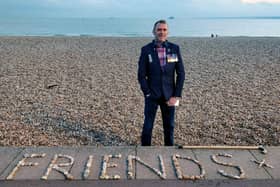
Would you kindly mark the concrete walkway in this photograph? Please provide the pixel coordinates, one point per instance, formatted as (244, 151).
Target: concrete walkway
(146, 166)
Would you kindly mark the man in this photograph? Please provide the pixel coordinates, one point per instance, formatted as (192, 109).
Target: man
(158, 62)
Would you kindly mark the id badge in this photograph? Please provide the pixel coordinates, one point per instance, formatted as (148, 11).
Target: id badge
(171, 58)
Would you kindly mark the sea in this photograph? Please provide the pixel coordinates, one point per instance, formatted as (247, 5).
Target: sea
(140, 27)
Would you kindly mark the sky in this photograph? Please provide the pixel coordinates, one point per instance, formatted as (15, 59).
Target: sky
(139, 8)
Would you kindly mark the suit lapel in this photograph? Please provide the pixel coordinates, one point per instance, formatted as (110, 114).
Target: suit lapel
(155, 56)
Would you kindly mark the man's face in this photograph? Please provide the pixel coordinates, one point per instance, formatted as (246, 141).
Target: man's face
(161, 32)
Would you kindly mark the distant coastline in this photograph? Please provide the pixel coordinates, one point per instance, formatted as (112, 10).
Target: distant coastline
(241, 17)
(141, 27)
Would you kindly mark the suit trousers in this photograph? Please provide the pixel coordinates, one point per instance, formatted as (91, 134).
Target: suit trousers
(167, 112)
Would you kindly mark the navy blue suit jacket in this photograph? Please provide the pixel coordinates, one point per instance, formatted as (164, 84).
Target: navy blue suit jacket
(159, 82)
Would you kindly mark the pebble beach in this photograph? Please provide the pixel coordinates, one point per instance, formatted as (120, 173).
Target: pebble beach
(75, 91)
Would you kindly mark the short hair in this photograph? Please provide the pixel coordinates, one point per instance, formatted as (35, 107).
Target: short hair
(162, 21)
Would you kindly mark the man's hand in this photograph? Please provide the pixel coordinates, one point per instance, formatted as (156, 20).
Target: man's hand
(172, 101)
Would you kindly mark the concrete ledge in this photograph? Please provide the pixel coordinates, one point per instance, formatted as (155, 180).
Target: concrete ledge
(142, 183)
(11, 158)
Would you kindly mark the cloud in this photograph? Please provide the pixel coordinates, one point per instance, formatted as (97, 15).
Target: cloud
(81, 2)
(260, 1)
(136, 8)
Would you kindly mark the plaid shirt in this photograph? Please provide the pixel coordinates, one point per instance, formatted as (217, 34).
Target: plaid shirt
(161, 55)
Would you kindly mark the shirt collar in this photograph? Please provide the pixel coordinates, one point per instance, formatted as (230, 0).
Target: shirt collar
(162, 44)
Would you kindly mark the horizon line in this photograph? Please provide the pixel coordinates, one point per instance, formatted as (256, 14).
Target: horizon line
(167, 18)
